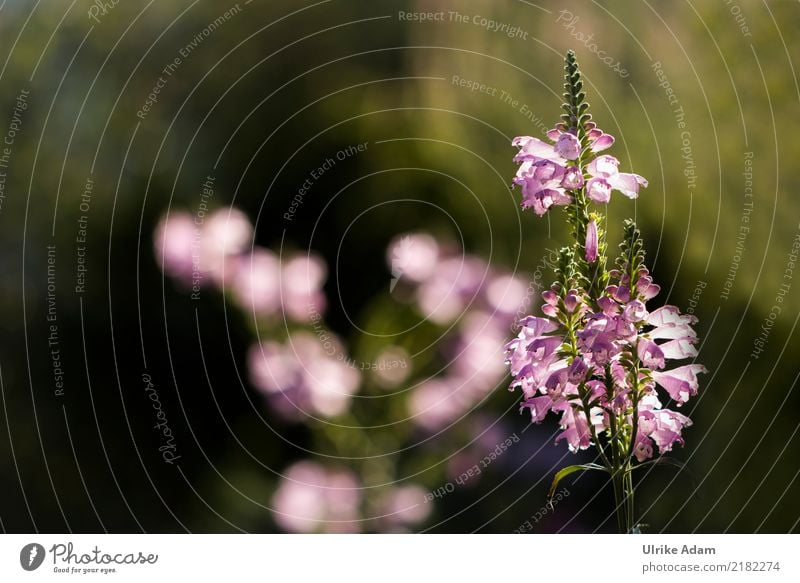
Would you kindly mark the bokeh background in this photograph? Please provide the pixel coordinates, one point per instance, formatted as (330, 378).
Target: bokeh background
(341, 370)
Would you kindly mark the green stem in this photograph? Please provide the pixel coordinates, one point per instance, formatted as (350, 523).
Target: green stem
(619, 500)
(629, 497)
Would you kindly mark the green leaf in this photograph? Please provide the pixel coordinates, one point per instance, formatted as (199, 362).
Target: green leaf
(564, 472)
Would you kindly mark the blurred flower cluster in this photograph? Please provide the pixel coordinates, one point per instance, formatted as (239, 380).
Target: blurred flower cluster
(301, 375)
(307, 375)
(311, 498)
(217, 250)
(476, 303)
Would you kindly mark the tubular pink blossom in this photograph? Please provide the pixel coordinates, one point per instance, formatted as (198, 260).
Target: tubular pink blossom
(568, 146)
(534, 148)
(602, 142)
(627, 184)
(669, 315)
(539, 407)
(572, 178)
(599, 190)
(650, 354)
(681, 383)
(591, 242)
(679, 349)
(668, 426)
(603, 166)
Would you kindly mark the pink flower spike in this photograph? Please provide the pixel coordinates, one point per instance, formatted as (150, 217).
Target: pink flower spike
(568, 146)
(591, 242)
(599, 190)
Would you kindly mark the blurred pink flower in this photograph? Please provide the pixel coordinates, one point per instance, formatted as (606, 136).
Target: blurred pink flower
(507, 293)
(392, 366)
(306, 376)
(255, 282)
(403, 506)
(191, 249)
(175, 241)
(311, 498)
(455, 283)
(226, 232)
(412, 256)
(302, 278)
(436, 403)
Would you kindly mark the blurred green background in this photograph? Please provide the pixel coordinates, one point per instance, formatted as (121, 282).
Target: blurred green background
(261, 101)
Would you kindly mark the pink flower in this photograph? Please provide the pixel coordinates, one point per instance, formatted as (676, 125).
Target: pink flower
(575, 426)
(573, 179)
(600, 141)
(668, 427)
(666, 315)
(542, 170)
(255, 282)
(605, 167)
(568, 146)
(681, 383)
(540, 198)
(650, 354)
(679, 349)
(643, 448)
(304, 377)
(591, 242)
(539, 407)
(534, 149)
(302, 278)
(312, 498)
(628, 184)
(599, 190)
(413, 257)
